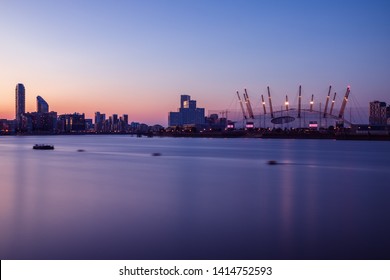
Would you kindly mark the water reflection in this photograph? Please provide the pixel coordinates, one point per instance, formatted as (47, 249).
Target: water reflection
(202, 199)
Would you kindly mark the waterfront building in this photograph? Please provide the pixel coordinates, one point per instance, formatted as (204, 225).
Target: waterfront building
(216, 123)
(42, 106)
(88, 125)
(114, 123)
(134, 126)
(378, 113)
(157, 128)
(126, 119)
(367, 129)
(7, 126)
(110, 123)
(99, 122)
(20, 105)
(40, 122)
(123, 123)
(174, 119)
(187, 114)
(71, 123)
(388, 114)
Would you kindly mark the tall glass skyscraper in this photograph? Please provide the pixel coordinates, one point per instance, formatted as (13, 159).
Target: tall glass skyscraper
(20, 103)
(42, 106)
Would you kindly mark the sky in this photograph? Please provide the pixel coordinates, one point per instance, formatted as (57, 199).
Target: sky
(138, 57)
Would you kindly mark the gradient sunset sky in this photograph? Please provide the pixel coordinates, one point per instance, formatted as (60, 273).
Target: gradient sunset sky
(137, 57)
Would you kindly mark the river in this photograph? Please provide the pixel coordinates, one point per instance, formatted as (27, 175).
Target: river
(126, 197)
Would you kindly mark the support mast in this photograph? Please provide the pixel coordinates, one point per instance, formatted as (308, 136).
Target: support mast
(263, 102)
(332, 105)
(248, 104)
(286, 103)
(327, 101)
(242, 107)
(270, 103)
(311, 103)
(299, 102)
(345, 100)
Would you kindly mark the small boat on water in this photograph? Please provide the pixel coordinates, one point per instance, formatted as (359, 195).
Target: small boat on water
(43, 147)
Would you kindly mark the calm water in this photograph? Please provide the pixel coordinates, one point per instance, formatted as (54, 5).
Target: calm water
(201, 199)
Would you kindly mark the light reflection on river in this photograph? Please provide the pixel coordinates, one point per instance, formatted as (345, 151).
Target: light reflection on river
(201, 199)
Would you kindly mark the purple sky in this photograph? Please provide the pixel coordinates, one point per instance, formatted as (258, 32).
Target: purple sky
(137, 57)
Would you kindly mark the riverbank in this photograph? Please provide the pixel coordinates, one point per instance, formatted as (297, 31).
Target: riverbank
(265, 134)
(279, 135)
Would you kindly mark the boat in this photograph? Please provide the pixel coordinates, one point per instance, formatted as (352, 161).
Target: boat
(43, 147)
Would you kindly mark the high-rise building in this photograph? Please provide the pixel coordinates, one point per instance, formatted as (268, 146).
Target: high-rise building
(20, 104)
(378, 114)
(188, 113)
(126, 119)
(42, 106)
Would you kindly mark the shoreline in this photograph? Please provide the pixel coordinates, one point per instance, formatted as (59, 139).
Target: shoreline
(237, 134)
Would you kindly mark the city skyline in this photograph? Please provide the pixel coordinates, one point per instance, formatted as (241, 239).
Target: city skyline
(136, 57)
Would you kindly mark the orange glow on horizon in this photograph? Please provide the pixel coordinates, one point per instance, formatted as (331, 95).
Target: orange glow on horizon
(140, 107)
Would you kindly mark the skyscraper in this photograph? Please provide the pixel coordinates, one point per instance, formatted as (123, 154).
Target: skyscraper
(42, 106)
(20, 104)
(188, 113)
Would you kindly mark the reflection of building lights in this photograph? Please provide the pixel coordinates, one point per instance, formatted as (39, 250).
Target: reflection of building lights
(263, 103)
(286, 103)
(311, 102)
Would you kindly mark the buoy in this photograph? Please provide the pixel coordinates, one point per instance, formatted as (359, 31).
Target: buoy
(272, 162)
(156, 154)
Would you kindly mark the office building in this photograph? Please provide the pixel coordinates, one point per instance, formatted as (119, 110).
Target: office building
(188, 113)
